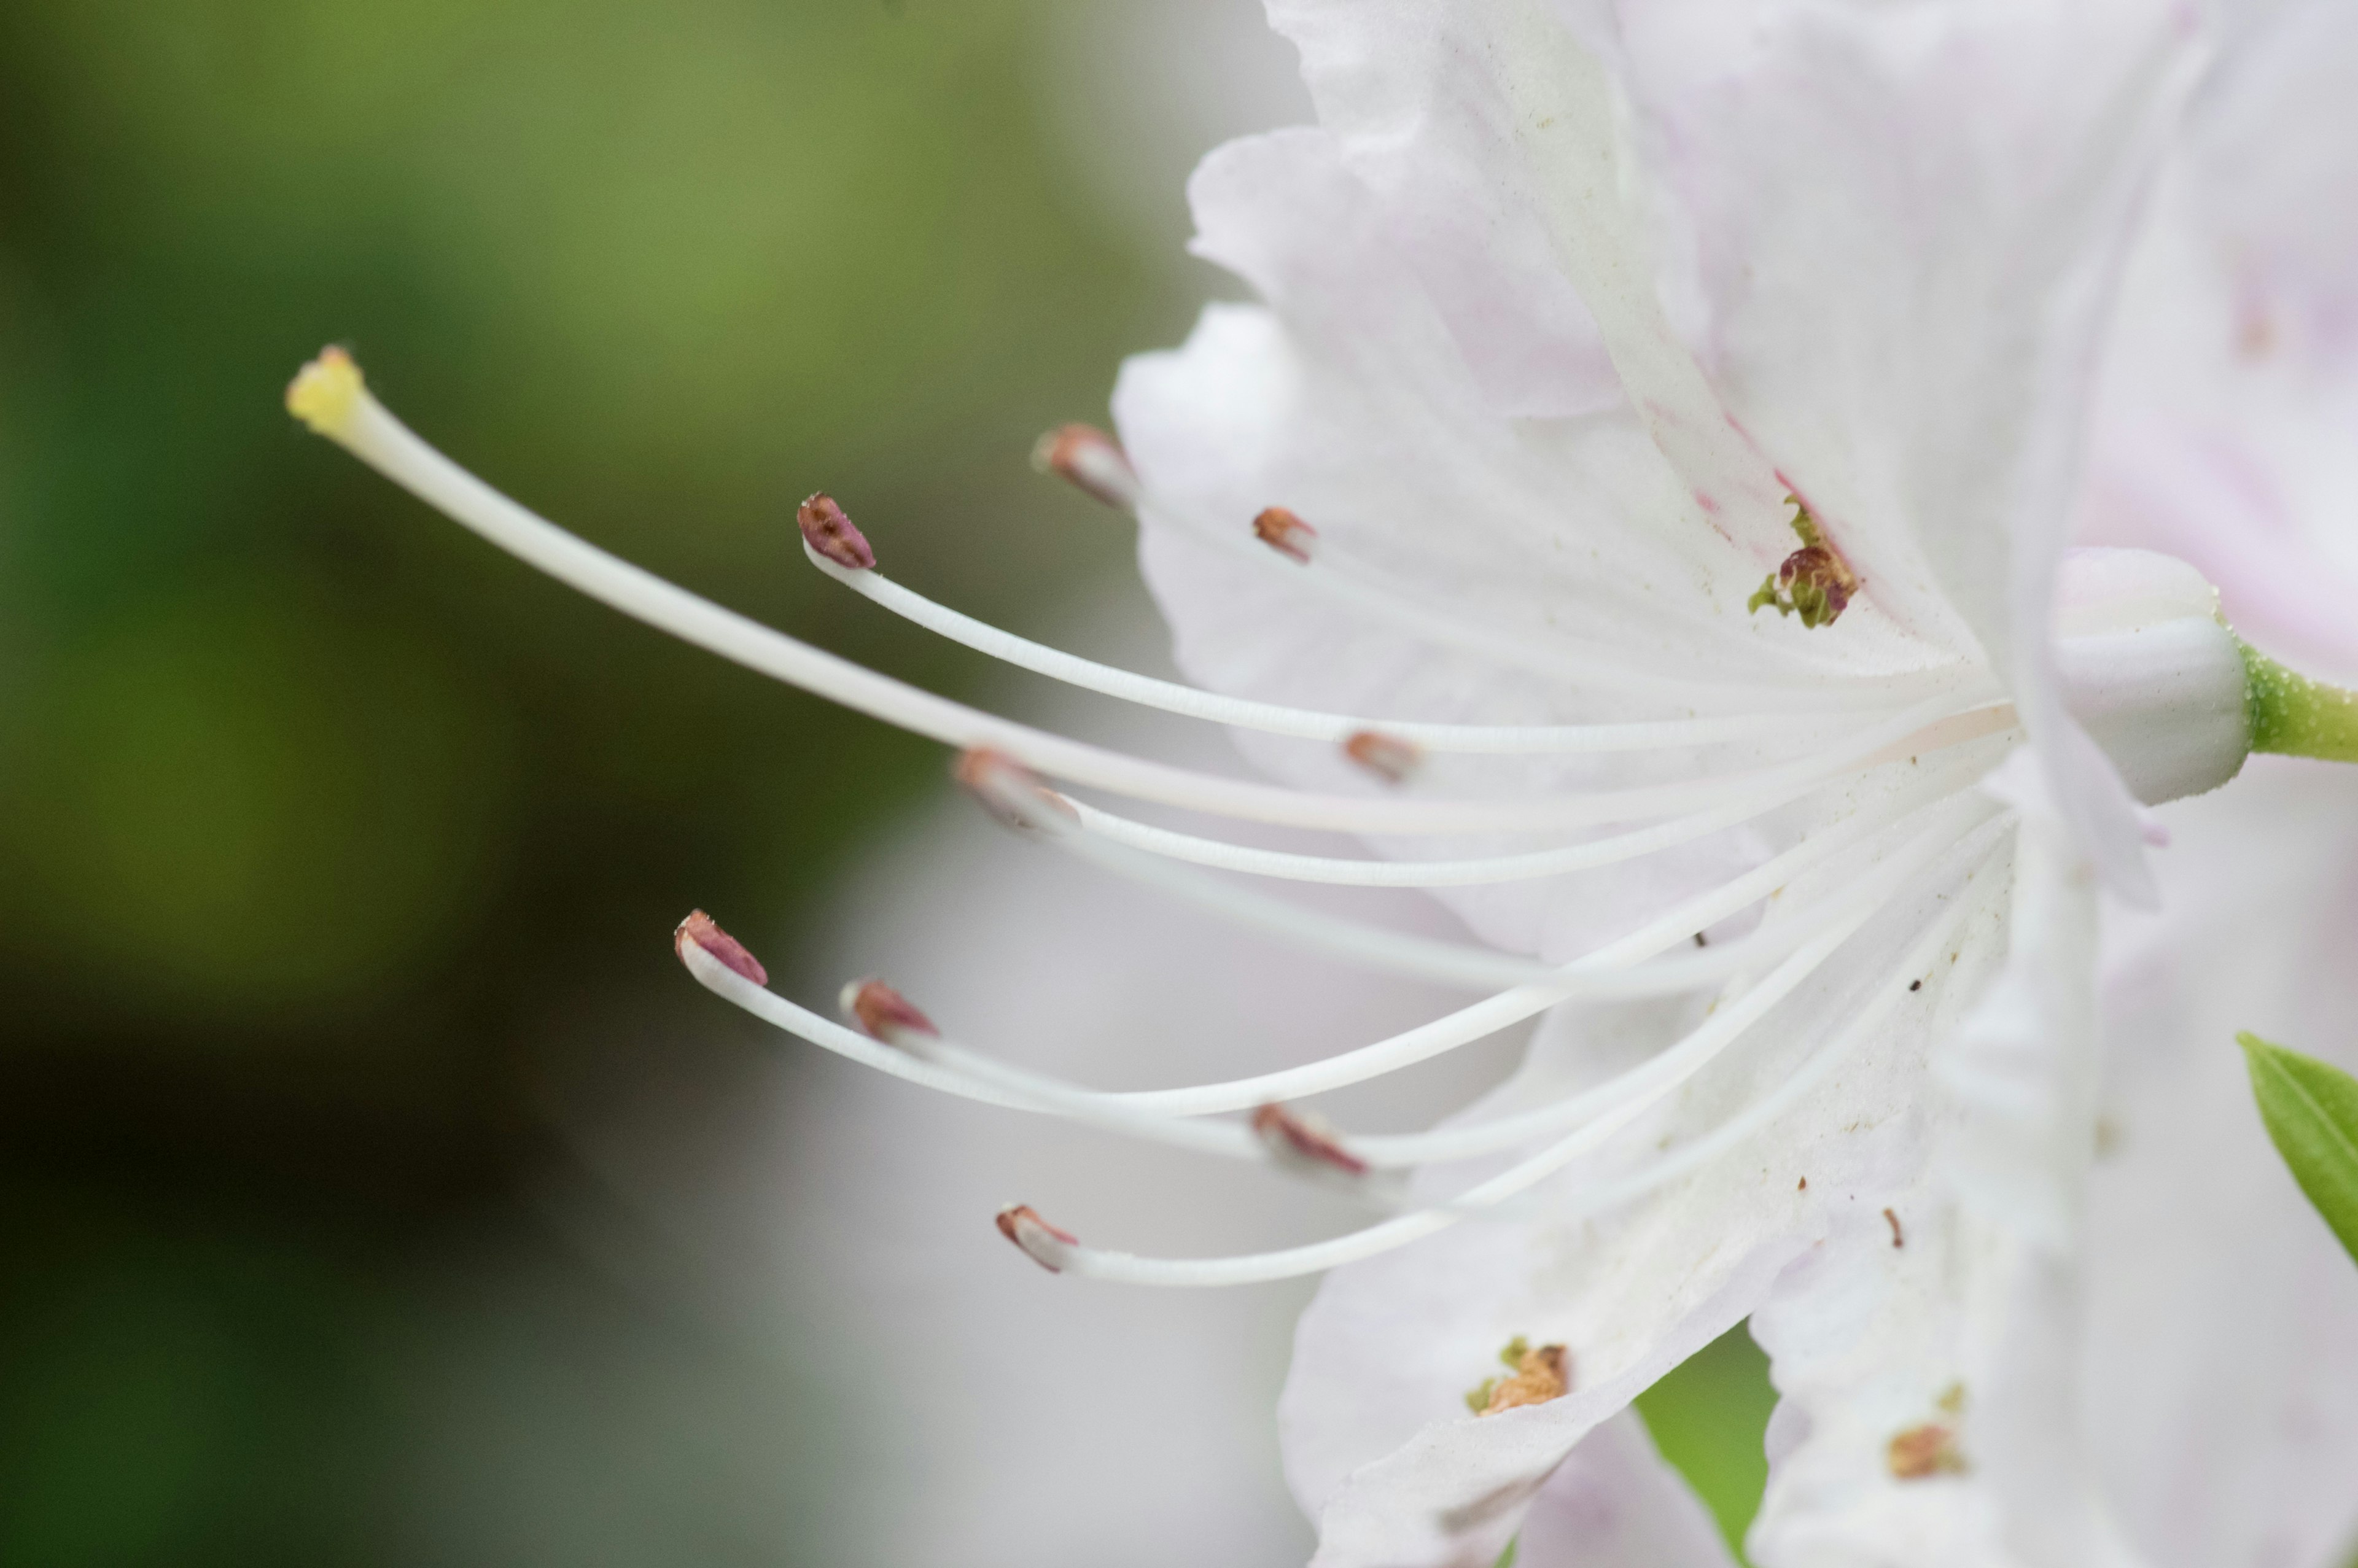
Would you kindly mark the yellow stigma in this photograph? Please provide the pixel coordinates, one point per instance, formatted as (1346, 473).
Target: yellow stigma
(325, 393)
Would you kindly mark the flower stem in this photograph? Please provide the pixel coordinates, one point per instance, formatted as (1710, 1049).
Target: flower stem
(2294, 716)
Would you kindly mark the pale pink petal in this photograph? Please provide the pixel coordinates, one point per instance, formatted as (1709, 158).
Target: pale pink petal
(1376, 1439)
(1616, 1504)
(1933, 1412)
(2228, 428)
(2223, 1333)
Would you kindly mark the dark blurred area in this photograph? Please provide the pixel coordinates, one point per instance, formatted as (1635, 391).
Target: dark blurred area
(326, 835)
(338, 854)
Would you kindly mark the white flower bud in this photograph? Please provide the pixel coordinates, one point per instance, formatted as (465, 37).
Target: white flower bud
(2150, 669)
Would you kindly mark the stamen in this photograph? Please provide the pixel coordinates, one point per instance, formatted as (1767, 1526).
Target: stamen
(1353, 941)
(1607, 972)
(884, 1012)
(1309, 724)
(1539, 1376)
(827, 529)
(1091, 462)
(701, 932)
(1921, 1452)
(1299, 1135)
(997, 762)
(1286, 533)
(327, 392)
(1012, 794)
(1388, 757)
(373, 434)
(1046, 1245)
(1975, 759)
(934, 1062)
(1490, 1195)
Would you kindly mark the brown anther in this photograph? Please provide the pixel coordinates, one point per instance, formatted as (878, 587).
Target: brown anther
(1540, 1375)
(1923, 1452)
(1286, 533)
(1307, 1138)
(1388, 757)
(699, 930)
(1898, 1238)
(827, 529)
(1091, 462)
(883, 1011)
(1008, 790)
(1022, 1224)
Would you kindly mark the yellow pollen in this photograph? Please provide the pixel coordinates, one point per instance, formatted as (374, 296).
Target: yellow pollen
(325, 393)
(1539, 1376)
(1921, 1452)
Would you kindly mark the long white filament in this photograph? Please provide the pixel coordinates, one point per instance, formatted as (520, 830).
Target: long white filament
(973, 1076)
(1273, 718)
(943, 1064)
(1842, 726)
(1332, 870)
(1450, 963)
(375, 435)
(371, 433)
(948, 1068)
(1317, 1257)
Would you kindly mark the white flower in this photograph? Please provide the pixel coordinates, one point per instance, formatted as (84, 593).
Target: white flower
(1666, 421)
(1891, 1446)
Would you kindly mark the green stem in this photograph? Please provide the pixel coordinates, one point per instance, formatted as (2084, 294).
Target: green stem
(2296, 716)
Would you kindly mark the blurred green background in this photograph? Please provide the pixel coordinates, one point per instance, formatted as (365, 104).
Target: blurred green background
(322, 828)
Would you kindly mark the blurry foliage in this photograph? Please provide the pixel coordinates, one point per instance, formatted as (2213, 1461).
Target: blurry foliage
(317, 821)
(315, 817)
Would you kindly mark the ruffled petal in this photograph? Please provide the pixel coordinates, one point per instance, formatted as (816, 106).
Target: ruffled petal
(1407, 84)
(1908, 225)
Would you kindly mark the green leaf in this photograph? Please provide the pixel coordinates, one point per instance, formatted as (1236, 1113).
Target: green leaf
(2311, 1112)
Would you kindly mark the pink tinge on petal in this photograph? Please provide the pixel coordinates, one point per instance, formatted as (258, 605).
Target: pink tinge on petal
(700, 930)
(828, 529)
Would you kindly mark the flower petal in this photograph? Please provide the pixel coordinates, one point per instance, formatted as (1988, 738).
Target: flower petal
(2223, 1319)
(2230, 391)
(1616, 1503)
(1374, 1441)
(1491, 138)
(1406, 83)
(1908, 223)
(1933, 1409)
